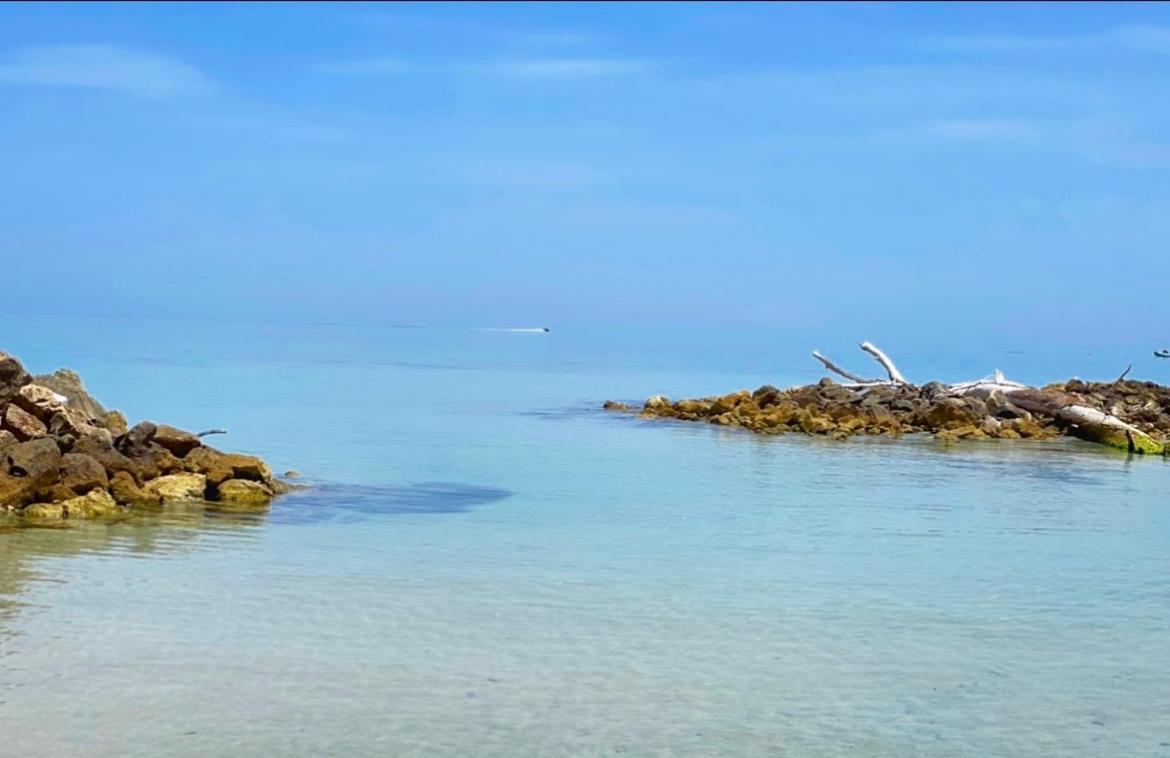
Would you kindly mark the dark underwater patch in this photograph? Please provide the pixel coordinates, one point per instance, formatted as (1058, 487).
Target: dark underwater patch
(338, 502)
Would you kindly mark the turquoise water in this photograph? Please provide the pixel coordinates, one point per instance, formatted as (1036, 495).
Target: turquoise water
(489, 565)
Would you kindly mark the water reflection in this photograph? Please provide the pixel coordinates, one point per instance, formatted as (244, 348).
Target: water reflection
(182, 527)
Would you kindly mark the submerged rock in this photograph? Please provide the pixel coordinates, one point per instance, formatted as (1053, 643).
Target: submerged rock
(243, 492)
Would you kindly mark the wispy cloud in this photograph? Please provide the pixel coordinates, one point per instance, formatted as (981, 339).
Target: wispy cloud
(567, 68)
(516, 68)
(106, 67)
(1103, 141)
(368, 67)
(1140, 37)
(985, 129)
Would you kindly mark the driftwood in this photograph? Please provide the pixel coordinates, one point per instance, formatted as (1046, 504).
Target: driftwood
(1087, 423)
(842, 372)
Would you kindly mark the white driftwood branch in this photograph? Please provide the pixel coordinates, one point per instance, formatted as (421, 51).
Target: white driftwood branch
(887, 364)
(838, 370)
(1055, 404)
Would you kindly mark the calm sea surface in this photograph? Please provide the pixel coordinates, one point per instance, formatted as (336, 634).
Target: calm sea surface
(489, 565)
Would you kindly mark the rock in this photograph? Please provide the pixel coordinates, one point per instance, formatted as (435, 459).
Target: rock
(138, 437)
(657, 402)
(39, 401)
(220, 467)
(68, 383)
(1001, 407)
(104, 453)
(175, 440)
(33, 459)
(94, 504)
(116, 423)
(78, 474)
(613, 405)
(29, 469)
(75, 424)
(45, 512)
(153, 460)
(729, 402)
(950, 413)
(22, 424)
(127, 492)
(7, 440)
(243, 492)
(177, 487)
(766, 395)
(292, 474)
(12, 377)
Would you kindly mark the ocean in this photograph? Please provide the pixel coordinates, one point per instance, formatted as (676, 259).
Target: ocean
(486, 564)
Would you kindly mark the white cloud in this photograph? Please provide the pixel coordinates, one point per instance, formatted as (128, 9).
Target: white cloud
(566, 68)
(987, 129)
(106, 67)
(369, 67)
(519, 68)
(1143, 37)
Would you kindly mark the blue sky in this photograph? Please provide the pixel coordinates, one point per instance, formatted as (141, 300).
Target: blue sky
(967, 169)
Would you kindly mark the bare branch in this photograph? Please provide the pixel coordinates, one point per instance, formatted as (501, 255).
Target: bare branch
(887, 364)
(1123, 374)
(838, 370)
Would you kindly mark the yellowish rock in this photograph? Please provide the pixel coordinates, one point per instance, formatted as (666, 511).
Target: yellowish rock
(244, 492)
(177, 488)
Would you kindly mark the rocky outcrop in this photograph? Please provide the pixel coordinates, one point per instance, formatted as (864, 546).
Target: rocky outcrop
(842, 411)
(64, 456)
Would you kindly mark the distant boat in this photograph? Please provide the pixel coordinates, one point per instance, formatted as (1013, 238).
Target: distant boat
(1162, 353)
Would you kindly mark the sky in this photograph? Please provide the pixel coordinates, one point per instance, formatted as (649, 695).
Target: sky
(948, 169)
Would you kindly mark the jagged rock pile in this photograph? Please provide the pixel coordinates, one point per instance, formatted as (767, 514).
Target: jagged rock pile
(62, 455)
(839, 411)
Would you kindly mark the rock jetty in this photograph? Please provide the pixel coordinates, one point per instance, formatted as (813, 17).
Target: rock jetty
(1125, 414)
(64, 456)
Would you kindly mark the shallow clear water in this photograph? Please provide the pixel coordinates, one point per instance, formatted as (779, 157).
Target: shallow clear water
(489, 565)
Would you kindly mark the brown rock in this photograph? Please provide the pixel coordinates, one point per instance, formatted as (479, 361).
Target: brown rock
(104, 453)
(40, 401)
(78, 474)
(154, 460)
(29, 468)
(139, 436)
(127, 492)
(175, 440)
(12, 377)
(116, 423)
(7, 440)
(613, 405)
(22, 424)
(951, 413)
(220, 467)
(68, 383)
(72, 423)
